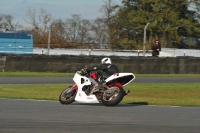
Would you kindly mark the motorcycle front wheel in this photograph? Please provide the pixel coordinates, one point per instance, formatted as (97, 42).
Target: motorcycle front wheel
(112, 96)
(68, 95)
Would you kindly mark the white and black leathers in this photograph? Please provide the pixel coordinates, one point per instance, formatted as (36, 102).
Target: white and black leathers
(104, 70)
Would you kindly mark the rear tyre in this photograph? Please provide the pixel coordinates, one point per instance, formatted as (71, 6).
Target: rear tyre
(68, 95)
(113, 96)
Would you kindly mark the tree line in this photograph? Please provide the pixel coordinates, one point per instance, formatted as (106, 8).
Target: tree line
(176, 23)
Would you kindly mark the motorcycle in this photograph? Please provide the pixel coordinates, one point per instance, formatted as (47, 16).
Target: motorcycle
(110, 94)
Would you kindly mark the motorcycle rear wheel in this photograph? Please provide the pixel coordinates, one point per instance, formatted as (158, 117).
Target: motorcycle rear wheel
(68, 95)
(113, 96)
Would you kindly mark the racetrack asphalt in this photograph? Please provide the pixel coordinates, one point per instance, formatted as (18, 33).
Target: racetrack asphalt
(27, 116)
(31, 116)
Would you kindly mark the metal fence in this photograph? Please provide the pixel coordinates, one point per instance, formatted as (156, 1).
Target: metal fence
(166, 52)
(170, 52)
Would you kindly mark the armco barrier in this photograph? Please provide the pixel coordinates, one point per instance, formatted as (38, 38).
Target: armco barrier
(66, 63)
(2, 63)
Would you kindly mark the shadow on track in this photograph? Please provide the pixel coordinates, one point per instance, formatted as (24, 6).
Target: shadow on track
(119, 105)
(132, 104)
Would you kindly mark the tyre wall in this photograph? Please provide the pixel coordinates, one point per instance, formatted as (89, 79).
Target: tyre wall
(2, 63)
(139, 65)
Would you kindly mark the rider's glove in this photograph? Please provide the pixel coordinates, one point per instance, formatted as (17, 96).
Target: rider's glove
(83, 72)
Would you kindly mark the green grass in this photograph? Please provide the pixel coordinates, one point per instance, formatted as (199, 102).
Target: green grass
(34, 74)
(39, 92)
(50, 74)
(164, 94)
(151, 94)
(167, 75)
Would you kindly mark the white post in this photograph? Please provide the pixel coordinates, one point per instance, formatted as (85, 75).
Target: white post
(15, 35)
(144, 48)
(49, 39)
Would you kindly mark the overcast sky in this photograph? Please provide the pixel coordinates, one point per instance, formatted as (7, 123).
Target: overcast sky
(88, 9)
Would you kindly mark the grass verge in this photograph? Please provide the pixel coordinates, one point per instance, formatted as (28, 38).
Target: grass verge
(35, 74)
(51, 74)
(151, 94)
(164, 94)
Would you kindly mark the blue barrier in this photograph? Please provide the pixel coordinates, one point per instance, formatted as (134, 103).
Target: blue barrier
(12, 42)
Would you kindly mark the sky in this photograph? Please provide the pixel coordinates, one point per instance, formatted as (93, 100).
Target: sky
(87, 9)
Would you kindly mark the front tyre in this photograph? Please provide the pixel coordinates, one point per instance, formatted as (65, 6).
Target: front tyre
(68, 95)
(113, 96)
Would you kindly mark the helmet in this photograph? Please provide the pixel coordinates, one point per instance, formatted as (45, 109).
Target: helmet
(106, 61)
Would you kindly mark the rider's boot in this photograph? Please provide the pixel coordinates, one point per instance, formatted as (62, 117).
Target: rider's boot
(86, 89)
(101, 85)
(126, 92)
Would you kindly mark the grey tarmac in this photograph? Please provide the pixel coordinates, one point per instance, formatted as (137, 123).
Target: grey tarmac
(28, 116)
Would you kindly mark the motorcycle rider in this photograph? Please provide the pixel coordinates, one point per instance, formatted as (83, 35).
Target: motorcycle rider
(103, 71)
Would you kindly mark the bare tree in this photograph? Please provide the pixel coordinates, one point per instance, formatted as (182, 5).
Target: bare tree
(58, 28)
(45, 19)
(58, 38)
(6, 21)
(109, 10)
(32, 19)
(100, 30)
(1, 21)
(77, 29)
(84, 32)
(40, 25)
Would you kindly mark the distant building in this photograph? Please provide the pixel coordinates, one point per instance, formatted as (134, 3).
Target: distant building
(12, 42)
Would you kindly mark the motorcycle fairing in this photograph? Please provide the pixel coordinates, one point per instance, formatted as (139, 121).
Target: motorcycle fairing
(123, 78)
(81, 96)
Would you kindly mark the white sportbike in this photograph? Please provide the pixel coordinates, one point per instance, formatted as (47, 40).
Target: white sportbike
(110, 94)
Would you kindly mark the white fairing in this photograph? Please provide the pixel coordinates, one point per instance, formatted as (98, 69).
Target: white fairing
(81, 96)
(125, 77)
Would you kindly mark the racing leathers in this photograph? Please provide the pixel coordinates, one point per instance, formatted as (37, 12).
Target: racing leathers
(103, 71)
